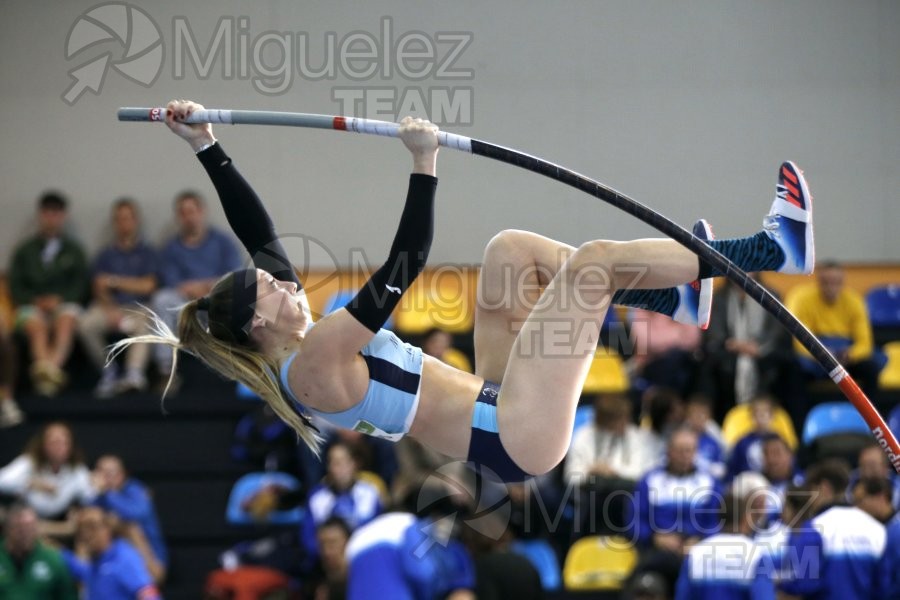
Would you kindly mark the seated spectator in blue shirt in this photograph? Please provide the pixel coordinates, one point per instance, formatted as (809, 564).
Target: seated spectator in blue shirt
(746, 455)
(342, 494)
(710, 453)
(728, 565)
(779, 467)
(875, 496)
(111, 569)
(130, 501)
(840, 552)
(123, 276)
(190, 264)
(674, 506)
(873, 463)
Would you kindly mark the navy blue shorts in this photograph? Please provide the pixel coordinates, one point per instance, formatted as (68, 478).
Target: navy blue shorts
(485, 449)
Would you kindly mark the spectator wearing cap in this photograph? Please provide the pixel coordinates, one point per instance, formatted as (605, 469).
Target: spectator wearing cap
(190, 264)
(124, 276)
(48, 279)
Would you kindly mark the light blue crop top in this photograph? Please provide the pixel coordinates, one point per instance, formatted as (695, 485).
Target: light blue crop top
(389, 406)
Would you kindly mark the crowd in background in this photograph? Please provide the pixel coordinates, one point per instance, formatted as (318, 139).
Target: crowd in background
(652, 464)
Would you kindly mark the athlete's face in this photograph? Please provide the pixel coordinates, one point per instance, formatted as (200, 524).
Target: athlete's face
(280, 304)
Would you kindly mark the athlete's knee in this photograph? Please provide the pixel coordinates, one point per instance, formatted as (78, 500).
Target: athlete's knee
(506, 243)
(602, 263)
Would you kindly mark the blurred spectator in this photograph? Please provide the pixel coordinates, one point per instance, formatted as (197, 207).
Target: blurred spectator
(132, 503)
(727, 565)
(124, 274)
(838, 316)
(342, 494)
(489, 546)
(746, 455)
(746, 351)
(665, 352)
(779, 468)
(416, 462)
(10, 413)
(610, 446)
(373, 455)
(672, 508)
(874, 495)
(107, 568)
(51, 477)
(607, 456)
(647, 586)
(402, 555)
(264, 442)
(873, 463)
(190, 264)
(663, 409)
(329, 581)
(439, 343)
(30, 570)
(710, 451)
(48, 281)
(756, 490)
(817, 562)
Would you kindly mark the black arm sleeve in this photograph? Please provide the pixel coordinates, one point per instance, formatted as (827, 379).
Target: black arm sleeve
(374, 303)
(247, 215)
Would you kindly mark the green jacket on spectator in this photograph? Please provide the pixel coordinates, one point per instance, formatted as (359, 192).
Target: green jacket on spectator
(42, 576)
(66, 275)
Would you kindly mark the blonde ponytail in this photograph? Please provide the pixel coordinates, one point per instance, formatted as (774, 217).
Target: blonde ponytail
(233, 361)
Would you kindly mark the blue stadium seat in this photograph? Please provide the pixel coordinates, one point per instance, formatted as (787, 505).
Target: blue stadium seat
(884, 306)
(583, 414)
(832, 418)
(541, 555)
(251, 483)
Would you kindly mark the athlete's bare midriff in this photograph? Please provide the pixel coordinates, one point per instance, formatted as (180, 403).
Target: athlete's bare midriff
(444, 418)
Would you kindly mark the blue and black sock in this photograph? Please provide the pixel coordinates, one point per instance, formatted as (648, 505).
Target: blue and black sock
(755, 253)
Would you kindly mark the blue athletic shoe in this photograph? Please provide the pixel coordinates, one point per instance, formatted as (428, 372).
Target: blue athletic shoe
(789, 222)
(695, 298)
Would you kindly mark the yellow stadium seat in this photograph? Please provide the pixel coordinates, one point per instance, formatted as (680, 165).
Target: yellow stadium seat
(889, 378)
(739, 422)
(376, 480)
(599, 563)
(607, 374)
(457, 359)
(435, 304)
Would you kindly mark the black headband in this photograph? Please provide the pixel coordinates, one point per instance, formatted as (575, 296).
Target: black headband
(243, 299)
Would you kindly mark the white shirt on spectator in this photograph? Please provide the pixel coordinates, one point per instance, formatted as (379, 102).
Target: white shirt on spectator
(72, 485)
(630, 454)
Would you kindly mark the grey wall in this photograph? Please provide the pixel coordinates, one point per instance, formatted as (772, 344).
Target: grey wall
(687, 106)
